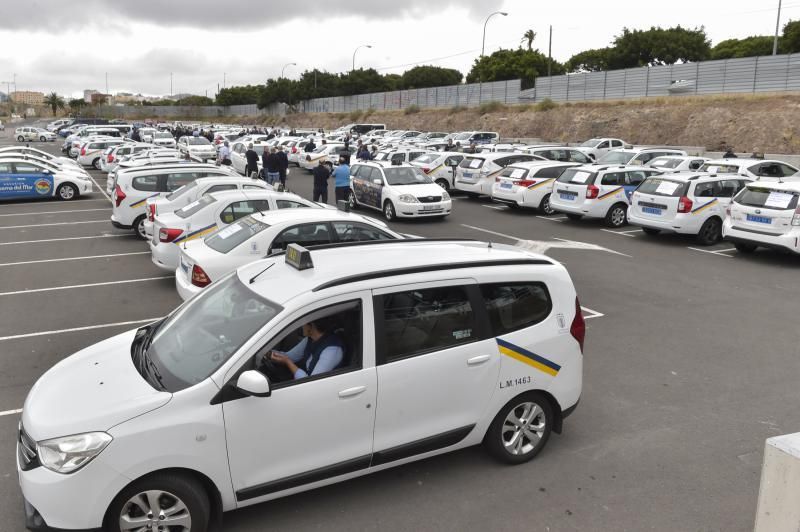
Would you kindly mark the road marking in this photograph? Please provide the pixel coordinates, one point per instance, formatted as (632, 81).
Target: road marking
(510, 237)
(593, 313)
(620, 233)
(495, 207)
(59, 223)
(585, 245)
(77, 329)
(74, 258)
(61, 239)
(10, 412)
(542, 246)
(102, 189)
(70, 287)
(559, 220)
(52, 212)
(719, 252)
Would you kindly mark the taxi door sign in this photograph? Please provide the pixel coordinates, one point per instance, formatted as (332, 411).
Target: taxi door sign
(25, 186)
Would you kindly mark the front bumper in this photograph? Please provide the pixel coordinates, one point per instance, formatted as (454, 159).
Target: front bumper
(423, 210)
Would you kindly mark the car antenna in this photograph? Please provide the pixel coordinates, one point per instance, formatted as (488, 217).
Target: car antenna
(253, 278)
(490, 244)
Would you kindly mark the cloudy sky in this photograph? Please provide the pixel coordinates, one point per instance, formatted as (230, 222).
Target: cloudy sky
(70, 46)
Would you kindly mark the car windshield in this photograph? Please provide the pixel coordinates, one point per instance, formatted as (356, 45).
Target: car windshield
(591, 143)
(181, 191)
(163, 136)
(203, 333)
(225, 240)
(198, 141)
(427, 158)
(195, 206)
(617, 157)
(463, 136)
(665, 163)
(767, 198)
(406, 176)
(720, 168)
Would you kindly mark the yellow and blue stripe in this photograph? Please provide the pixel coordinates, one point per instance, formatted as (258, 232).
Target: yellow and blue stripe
(704, 207)
(142, 202)
(540, 183)
(527, 357)
(609, 194)
(196, 234)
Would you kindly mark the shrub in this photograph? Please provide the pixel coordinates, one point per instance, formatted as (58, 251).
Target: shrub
(354, 116)
(546, 105)
(491, 107)
(411, 109)
(457, 109)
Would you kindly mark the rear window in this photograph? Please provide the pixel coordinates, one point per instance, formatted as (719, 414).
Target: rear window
(225, 240)
(662, 187)
(665, 163)
(716, 168)
(767, 198)
(514, 173)
(515, 306)
(146, 183)
(472, 163)
(195, 206)
(578, 177)
(616, 157)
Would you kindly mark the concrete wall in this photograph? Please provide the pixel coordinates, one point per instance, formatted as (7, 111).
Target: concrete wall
(779, 494)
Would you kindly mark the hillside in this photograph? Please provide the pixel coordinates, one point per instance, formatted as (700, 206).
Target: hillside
(747, 123)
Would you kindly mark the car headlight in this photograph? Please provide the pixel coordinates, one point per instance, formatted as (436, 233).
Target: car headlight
(445, 196)
(407, 198)
(70, 453)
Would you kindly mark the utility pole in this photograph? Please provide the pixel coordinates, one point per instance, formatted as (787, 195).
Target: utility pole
(550, 52)
(224, 80)
(106, 82)
(777, 28)
(170, 84)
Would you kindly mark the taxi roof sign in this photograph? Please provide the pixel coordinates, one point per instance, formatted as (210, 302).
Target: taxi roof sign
(298, 257)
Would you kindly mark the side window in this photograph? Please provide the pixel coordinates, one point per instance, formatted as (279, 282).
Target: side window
(398, 158)
(22, 168)
(502, 162)
(355, 232)
(551, 172)
(576, 156)
(786, 170)
(240, 209)
(644, 158)
(696, 164)
(305, 235)
(728, 188)
(218, 188)
(603, 145)
(355, 170)
(5, 168)
(252, 187)
(288, 204)
(634, 178)
(420, 321)
(176, 181)
(455, 160)
(616, 143)
(145, 183)
(414, 154)
(704, 190)
(613, 178)
(514, 306)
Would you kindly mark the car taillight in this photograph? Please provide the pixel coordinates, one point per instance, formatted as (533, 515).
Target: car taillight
(684, 205)
(426, 170)
(83, 150)
(119, 195)
(524, 183)
(592, 192)
(795, 218)
(199, 277)
(110, 158)
(578, 327)
(294, 149)
(166, 234)
(151, 212)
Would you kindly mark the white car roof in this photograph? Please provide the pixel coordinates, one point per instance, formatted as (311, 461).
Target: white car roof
(686, 176)
(789, 186)
(540, 164)
(336, 265)
(264, 193)
(744, 162)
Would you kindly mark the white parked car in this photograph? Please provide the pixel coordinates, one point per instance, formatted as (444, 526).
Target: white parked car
(440, 166)
(91, 152)
(163, 139)
(677, 163)
(637, 156)
(688, 203)
(329, 152)
(262, 235)
(115, 154)
(399, 191)
(147, 134)
(755, 168)
(475, 175)
(151, 157)
(30, 134)
(210, 213)
(596, 148)
(200, 412)
(765, 214)
(21, 177)
(238, 159)
(562, 154)
(466, 138)
(399, 155)
(198, 147)
(51, 164)
(529, 184)
(598, 191)
(55, 124)
(36, 152)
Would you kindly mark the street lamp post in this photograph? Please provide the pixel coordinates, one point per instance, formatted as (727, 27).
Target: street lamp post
(354, 53)
(483, 46)
(777, 28)
(286, 65)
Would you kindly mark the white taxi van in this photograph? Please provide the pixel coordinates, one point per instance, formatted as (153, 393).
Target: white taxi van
(529, 184)
(221, 404)
(765, 214)
(475, 174)
(688, 203)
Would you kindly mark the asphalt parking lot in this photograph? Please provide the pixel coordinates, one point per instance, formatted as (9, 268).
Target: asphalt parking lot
(691, 363)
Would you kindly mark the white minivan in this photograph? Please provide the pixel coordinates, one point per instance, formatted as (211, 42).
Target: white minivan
(765, 214)
(299, 371)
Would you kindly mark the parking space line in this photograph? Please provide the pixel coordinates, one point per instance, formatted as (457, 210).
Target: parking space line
(74, 258)
(52, 212)
(621, 233)
(101, 189)
(70, 287)
(559, 220)
(11, 204)
(62, 239)
(77, 329)
(593, 313)
(510, 237)
(10, 412)
(719, 252)
(53, 224)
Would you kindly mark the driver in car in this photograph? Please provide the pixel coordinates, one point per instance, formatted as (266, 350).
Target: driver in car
(318, 352)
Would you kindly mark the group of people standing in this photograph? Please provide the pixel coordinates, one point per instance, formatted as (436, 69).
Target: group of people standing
(341, 179)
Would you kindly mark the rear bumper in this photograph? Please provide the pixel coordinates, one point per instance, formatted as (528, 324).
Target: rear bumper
(787, 242)
(165, 256)
(471, 188)
(185, 288)
(676, 225)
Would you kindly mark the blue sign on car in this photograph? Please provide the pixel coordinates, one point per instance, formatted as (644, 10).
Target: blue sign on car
(25, 186)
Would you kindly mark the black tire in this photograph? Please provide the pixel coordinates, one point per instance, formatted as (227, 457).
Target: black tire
(20, 139)
(514, 206)
(745, 248)
(96, 163)
(67, 192)
(574, 217)
(443, 183)
(42, 139)
(545, 206)
(710, 232)
(138, 227)
(496, 440)
(174, 486)
(388, 211)
(592, 157)
(617, 215)
(471, 195)
(650, 231)
(352, 201)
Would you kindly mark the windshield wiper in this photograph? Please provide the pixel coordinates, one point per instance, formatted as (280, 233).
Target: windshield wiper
(144, 363)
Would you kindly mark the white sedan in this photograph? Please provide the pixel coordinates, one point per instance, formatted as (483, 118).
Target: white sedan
(27, 150)
(23, 178)
(260, 235)
(596, 148)
(211, 213)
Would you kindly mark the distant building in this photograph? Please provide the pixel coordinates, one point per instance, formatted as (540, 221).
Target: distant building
(98, 98)
(3, 97)
(126, 98)
(28, 97)
(87, 95)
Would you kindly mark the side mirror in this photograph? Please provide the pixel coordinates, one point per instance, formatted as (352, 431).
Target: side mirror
(378, 182)
(253, 383)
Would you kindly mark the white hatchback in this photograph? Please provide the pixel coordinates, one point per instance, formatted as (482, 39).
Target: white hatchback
(765, 214)
(476, 173)
(529, 184)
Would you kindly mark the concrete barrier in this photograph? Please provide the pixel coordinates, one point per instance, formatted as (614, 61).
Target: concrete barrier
(779, 494)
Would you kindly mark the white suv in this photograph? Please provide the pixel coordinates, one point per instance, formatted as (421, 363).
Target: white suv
(426, 348)
(765, 214)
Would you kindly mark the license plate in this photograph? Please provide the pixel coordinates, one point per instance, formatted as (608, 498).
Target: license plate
(467, 175)
(430, 207)
(506, 186)
(651, 210)
(568, 197)
(759, 219)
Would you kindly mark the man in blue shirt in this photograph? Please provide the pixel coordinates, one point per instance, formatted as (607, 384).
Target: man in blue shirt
(341, 177)
(319, 352)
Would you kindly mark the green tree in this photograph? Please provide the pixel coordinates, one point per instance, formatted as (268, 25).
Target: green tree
(511, 64)
(244, 95)
(195, 100)
(76, 104)
(529, 36)
(589, 61)
(747, 47)
(658, 46)
(790, 41)
(55, 102)
(430, 76)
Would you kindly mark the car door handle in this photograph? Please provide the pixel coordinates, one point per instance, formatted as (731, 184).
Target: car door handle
(480, 359)
(352, 392)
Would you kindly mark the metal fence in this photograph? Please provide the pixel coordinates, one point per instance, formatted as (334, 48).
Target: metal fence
(728, 76)
(189, 111)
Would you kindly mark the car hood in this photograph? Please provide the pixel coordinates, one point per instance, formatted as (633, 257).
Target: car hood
(430, 189)
(93, 390)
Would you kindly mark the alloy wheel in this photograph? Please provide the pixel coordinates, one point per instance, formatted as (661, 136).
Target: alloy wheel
(155, 510)
(523, 428)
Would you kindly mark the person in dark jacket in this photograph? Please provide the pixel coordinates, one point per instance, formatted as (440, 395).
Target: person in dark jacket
(273, 166)
(363, 153)
(252, 161)
(284, 166)
(310, 146)
(729, 154)
(321, 174)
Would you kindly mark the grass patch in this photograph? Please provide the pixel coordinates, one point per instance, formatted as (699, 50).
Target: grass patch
(491, 107)
(355, 116)
(411, 109)
(546, 105)
(456, 109)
